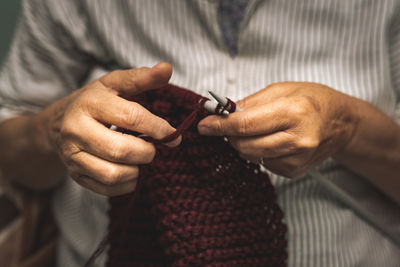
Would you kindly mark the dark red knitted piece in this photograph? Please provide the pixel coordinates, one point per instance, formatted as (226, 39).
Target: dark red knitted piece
(195, 205)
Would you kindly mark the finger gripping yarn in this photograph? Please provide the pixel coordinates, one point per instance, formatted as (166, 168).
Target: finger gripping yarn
(198, 204)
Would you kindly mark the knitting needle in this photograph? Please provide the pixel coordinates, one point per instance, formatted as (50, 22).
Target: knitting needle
(221, 100)
(211, 107)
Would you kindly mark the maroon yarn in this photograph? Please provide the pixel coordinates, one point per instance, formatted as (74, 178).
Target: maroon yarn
(230, 106)
(198, 204)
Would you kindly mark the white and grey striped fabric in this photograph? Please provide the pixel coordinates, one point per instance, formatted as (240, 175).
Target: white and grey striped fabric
(350, 45)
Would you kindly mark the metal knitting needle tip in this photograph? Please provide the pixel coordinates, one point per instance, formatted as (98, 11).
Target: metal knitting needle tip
(221, 100)
(212, 107)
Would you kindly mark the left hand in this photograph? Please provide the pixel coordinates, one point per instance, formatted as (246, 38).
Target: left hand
(292, 126)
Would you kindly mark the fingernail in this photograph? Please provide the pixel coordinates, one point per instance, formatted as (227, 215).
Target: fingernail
(174, 142)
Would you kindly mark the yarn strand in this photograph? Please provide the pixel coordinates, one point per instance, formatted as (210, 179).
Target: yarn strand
(197, 204)
(188, 122)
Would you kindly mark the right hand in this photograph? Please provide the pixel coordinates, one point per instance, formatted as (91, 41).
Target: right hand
(77, 128)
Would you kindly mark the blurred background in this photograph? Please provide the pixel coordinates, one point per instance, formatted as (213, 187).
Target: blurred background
(9, 12)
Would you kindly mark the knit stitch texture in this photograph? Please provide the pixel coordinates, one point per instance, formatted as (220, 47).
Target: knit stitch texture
(198, 204)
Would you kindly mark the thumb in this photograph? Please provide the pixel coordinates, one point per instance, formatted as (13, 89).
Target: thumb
(135, 81)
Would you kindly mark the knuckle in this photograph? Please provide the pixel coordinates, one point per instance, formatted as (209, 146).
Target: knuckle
(69, 153)
(133, 115)
(242, 125)
(129, 80)
(300, 107)
(307, 143)
(91, 100)
(112, 176)
(118, 150)
(68, 129)
(114, 75)
(243, 102)
(131, 77)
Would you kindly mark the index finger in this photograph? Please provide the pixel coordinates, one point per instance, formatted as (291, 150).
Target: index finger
(134, 81)
(252, 121)
(115, 110)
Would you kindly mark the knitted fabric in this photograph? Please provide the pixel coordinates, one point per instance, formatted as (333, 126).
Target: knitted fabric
(198, 204)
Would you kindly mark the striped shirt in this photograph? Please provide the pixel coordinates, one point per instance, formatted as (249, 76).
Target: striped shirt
(350, 45)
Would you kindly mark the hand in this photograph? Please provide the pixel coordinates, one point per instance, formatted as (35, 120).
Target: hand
(292, 126)
(77, 127)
